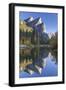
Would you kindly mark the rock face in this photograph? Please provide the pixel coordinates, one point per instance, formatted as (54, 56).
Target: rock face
(36, 23)
(51, 34)
(44, 38)
(33, 31)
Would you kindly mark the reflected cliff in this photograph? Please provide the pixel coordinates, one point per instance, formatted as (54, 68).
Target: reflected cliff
(37, 62)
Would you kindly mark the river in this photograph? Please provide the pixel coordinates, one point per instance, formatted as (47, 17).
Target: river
(38, 62)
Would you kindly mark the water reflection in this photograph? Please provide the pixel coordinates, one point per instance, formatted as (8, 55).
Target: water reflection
(37, 62)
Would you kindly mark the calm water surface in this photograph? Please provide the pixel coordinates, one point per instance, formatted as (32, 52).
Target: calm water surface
(38, 62)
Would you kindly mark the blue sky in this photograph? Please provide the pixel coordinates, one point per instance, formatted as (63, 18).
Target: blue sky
(49, 19)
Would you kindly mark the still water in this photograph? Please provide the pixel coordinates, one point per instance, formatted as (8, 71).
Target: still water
(38, 62)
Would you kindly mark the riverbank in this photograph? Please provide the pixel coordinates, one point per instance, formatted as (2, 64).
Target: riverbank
(32, 46)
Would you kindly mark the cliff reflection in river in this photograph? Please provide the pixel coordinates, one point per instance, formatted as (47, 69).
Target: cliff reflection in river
(37, 62)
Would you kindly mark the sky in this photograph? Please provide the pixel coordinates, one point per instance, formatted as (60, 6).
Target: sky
(49, 19)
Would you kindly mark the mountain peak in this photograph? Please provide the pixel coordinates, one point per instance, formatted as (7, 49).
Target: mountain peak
(39, 21)
(29, 19)
(35, 23)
